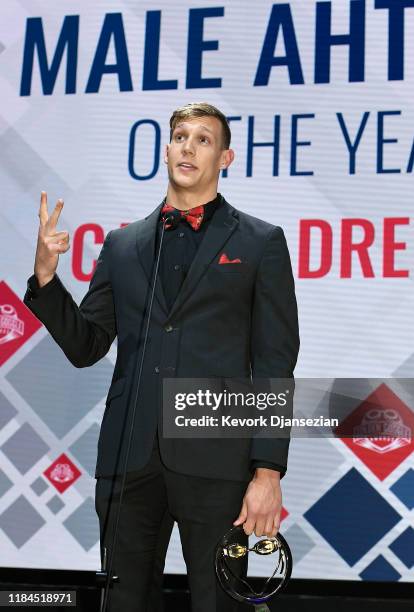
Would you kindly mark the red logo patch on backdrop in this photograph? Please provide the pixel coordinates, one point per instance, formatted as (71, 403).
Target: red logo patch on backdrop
(62, 473)
(383, 431)
(17, 323)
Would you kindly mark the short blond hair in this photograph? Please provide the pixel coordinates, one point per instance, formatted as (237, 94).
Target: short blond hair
(201, 109)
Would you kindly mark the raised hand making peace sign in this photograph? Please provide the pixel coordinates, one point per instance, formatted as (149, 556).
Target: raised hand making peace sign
(50, 243)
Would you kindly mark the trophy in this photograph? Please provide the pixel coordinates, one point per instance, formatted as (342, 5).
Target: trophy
(231, 565)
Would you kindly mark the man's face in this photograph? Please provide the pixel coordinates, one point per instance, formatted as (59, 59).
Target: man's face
(195, 155)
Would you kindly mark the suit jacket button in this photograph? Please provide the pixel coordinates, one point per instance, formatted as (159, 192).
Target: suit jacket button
(168, 328)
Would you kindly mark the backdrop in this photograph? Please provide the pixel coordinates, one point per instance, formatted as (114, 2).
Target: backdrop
(319, 95)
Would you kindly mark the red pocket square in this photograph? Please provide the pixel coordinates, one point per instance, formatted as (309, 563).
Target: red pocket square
(225, 260)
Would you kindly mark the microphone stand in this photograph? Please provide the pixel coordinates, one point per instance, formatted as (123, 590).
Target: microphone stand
(104, 576)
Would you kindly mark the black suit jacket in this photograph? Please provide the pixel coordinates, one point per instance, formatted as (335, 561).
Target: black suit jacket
(232, 320)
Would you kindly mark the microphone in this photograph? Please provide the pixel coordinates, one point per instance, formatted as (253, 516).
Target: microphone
(104, 576)
(172, 218)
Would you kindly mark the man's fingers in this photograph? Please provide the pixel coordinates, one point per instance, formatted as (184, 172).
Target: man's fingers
(58, 243)
(43, 214)
(269, 529)
(246, 519)
(54, 217)
(248, 527)
(276, 524)
(57, 237)
(242, 516)
(59, 247)
(259, 528)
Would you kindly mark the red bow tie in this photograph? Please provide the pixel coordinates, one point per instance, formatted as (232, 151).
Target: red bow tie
(194, 216)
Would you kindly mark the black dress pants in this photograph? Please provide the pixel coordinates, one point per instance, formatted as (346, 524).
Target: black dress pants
(154, 498)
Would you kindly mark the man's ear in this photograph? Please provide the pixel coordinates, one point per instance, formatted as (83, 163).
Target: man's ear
(227, 158)
(167, 146)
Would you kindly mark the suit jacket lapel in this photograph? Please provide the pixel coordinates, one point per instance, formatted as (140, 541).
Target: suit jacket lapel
(221, 226)
(145, 236)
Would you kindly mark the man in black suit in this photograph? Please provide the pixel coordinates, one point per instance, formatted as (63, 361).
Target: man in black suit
(224, 306)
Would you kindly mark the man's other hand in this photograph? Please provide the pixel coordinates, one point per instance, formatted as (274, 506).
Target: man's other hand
(262, 504)
(50, 243)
